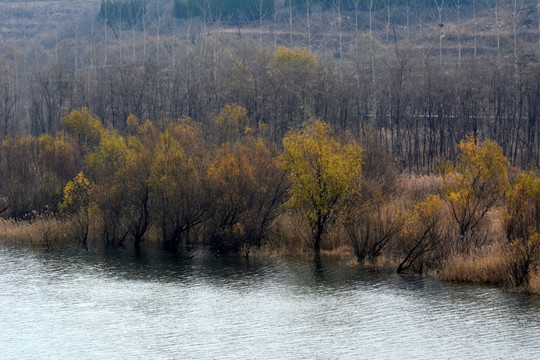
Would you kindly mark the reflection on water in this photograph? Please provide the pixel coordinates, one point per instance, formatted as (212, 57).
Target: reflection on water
(123, 304)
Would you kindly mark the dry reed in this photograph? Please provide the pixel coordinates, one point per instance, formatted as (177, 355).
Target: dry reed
(42, 231)
(488, 267)
(534, 282)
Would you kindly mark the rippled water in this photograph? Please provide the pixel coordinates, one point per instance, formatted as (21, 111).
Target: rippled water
(121, 305)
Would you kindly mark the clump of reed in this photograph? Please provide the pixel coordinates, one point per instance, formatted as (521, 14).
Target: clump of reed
(414, 188)
(534, 282)
(285, 239)
(485, 267)
(44, 231)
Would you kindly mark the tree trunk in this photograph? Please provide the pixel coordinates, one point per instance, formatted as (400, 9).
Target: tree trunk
(319, 229)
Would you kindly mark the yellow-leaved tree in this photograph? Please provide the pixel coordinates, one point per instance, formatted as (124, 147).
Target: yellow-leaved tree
(85, 128)
(324, 175)
(179, 183)
(108, 172)
(522, 224)
(248, 188)
(233, 122)
(477, 183)
(295, 74)
(75, 205)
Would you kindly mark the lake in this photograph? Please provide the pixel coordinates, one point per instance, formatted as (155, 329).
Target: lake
(121, 304)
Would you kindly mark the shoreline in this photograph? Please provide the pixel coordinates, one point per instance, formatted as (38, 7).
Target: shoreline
(478, 269)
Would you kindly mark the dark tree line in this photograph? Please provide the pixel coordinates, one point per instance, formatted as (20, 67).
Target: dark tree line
(233, 10)
(130, 12)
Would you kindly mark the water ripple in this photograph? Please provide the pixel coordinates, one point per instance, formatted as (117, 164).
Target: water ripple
(121, 305)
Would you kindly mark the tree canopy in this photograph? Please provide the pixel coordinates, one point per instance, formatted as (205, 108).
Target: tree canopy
(324, 174)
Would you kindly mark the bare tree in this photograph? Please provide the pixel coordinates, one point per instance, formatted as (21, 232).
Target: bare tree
(4, 205)
(173, 41)
(390, 5)
(290, 21)
(457, 4)
(538, 11)
(7, 102)
(92, 16)
(161, 15)
(76, 49)
(371, 39)
(356, 6)
(440, 24)
(145, 21)
(517, 7)
(106, 20)
(497, 31)
(337, 6)
(408, 5)
(261, 14)
(475, 35)
(308, 4)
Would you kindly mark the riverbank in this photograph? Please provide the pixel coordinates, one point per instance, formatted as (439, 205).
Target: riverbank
(490, 265)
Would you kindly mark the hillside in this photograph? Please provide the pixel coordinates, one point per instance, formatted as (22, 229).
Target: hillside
(423, 75)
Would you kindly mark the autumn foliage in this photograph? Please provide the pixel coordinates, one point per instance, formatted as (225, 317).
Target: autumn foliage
(176, 183)
(324, 176)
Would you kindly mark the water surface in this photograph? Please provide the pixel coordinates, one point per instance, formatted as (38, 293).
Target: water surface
(119, 304)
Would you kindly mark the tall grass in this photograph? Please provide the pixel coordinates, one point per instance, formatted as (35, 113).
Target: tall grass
(42, 231)
(489, 267)
(534, 282)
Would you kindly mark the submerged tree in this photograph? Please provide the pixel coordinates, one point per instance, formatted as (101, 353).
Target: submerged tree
(179, 181)
(75, 206)
(109, 190)
(422, 235)
(248, 190)
(324, 176)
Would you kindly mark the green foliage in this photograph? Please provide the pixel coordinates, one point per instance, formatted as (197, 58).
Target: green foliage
(33, 172)
(76, 206)
(423, 217)
(324, 175)
(18, 175)
(56, 154)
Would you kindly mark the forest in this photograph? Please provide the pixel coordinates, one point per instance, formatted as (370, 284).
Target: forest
(404, 134)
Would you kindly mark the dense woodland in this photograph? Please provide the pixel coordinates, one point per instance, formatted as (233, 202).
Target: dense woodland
(221, 123)
(421, 86)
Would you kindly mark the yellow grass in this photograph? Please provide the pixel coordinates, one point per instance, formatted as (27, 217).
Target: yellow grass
(41, 231)
(485, 268)
(534, 282)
